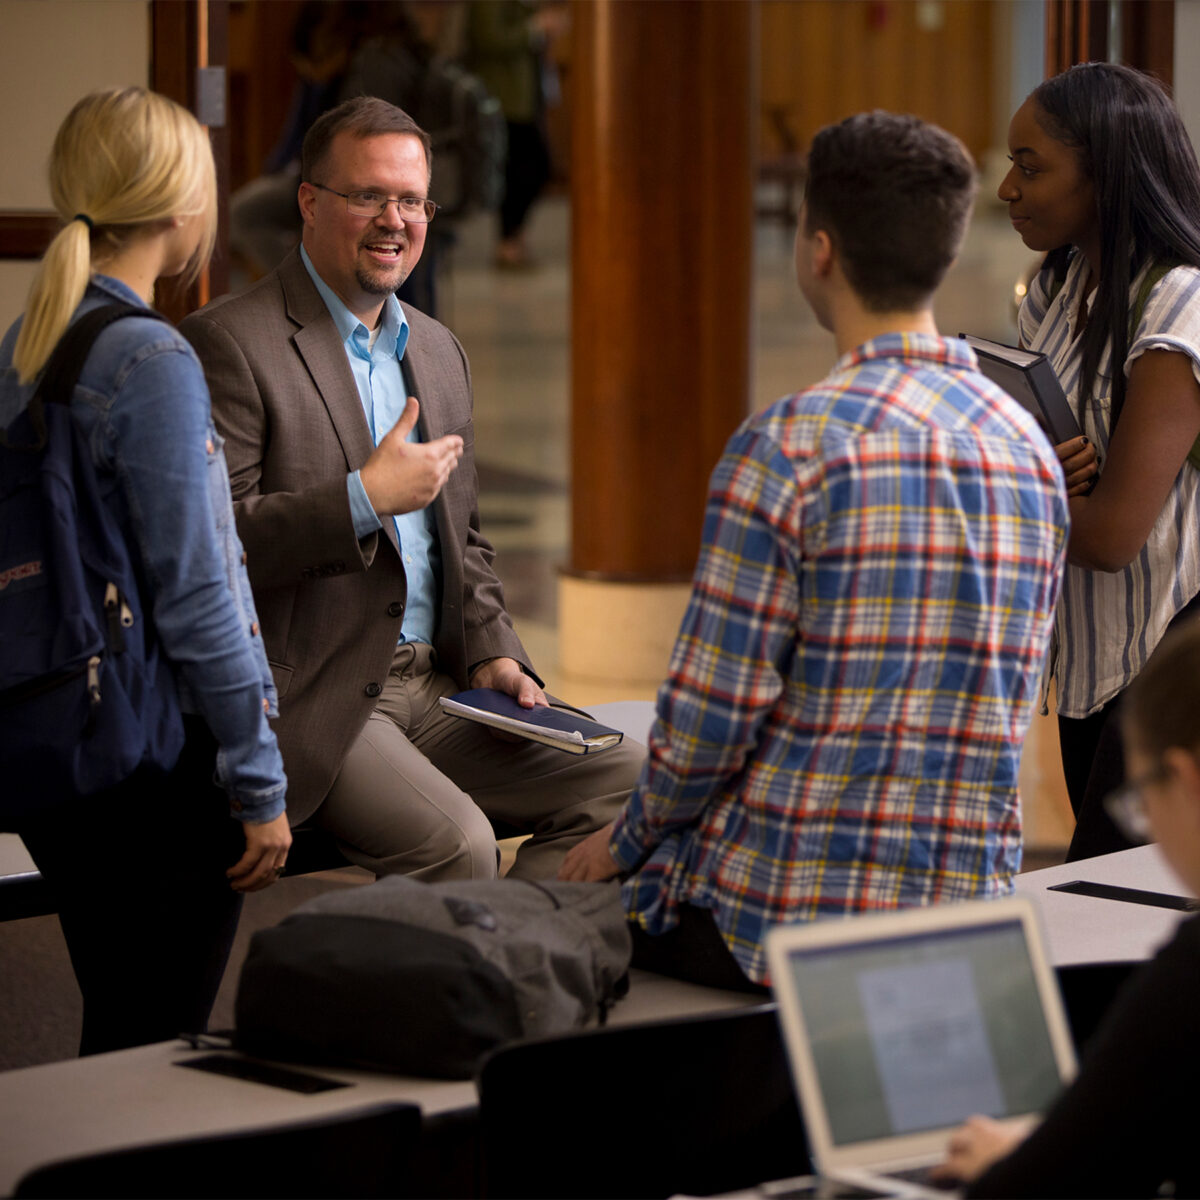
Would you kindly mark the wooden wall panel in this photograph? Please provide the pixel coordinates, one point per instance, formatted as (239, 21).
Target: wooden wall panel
(825, 59)
(186, 35)
(1148, 37)
(261, 80)
(1076, 31)
(1080, 31)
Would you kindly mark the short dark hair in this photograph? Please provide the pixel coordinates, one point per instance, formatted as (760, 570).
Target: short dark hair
(894, 193)
(361, 117)
(1160, 709)
(1132, 145)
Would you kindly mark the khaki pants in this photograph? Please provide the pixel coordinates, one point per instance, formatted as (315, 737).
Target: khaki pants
(419, 788)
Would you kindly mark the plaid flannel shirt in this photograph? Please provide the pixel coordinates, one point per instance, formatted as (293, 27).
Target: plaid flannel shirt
(841, 727)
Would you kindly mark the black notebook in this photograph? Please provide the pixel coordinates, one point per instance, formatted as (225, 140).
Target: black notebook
(1030, 380)
(564, 729)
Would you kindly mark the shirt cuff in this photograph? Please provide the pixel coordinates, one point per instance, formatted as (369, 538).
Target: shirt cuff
(627, 845)
(258, 808)
(254, 804)
(523, 668)
(363, 515)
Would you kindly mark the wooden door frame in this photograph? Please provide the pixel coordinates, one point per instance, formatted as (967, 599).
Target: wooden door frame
(185, 36)
(1078, 31)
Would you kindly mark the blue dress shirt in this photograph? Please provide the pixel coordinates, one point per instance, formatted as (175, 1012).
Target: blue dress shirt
(379, 376)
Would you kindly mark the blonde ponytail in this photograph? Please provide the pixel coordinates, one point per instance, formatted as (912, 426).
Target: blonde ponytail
(123, 160)
(55, 293)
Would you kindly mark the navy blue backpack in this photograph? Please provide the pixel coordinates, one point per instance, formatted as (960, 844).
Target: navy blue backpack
(86, 695)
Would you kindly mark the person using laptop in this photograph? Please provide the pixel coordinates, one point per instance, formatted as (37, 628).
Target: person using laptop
(899, 1024)
(848, 695)
(1128, 1123)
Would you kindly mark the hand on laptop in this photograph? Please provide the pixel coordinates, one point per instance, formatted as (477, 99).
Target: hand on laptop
(974, 1146)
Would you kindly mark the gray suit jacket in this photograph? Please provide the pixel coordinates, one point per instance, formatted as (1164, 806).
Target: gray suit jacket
(285, 401)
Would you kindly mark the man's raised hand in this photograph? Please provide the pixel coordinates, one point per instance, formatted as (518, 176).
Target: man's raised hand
(402, 476)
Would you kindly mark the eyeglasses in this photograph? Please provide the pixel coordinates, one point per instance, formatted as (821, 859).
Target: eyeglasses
(374, 204)
(1127, 806)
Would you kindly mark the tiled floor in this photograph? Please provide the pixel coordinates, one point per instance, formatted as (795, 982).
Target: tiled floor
(514, 326)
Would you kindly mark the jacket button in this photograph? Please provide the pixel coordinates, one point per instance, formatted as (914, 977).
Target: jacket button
(254, 629)
(373, 689)
(208, 445)
(245, 558)
(236, 805)
(395, 609)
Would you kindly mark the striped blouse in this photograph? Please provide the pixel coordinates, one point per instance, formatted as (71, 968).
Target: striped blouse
(1109, 623)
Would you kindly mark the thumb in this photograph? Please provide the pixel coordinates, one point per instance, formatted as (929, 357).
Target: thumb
(408, 420)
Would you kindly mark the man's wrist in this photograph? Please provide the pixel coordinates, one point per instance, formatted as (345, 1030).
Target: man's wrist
(483, 662)
(624, 845)
(362, 513)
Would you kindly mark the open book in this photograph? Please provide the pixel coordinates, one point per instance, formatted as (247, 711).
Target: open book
(563, 729)
(1030, 380)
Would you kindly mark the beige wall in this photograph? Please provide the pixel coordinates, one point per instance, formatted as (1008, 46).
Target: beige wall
(1187, 78)
(51, 53)
(15, 280)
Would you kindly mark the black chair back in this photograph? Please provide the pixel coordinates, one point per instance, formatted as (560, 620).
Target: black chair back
(696, 1105)
(1088, 990)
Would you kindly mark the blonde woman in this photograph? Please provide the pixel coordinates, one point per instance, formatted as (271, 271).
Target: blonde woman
(149, 874)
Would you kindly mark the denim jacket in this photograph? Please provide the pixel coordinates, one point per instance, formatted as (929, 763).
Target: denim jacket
(143, 402)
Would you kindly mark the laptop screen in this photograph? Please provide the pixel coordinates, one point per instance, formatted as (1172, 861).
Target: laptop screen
(917, 1032)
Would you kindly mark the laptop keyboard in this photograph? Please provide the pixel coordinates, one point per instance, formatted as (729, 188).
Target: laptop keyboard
(925, 1177)
(809, 1187)
(913, 1175)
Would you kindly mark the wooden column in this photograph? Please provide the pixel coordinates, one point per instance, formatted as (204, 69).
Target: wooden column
(662, 175)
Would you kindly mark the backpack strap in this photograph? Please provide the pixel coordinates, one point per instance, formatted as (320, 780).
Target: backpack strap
(65, 364)
(1151, 280)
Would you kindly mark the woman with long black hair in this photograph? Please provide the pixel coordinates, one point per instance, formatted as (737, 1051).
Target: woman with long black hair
(1105, 180)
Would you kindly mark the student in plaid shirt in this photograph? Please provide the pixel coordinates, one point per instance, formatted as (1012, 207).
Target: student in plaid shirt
(842, 724)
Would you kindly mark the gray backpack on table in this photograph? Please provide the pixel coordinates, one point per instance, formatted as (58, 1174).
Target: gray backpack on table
(426, 978)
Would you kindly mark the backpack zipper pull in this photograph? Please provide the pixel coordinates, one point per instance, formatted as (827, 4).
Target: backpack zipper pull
(93, 689)
(114, 612)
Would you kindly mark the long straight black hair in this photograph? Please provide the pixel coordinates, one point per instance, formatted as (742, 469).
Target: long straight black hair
(1133, 147)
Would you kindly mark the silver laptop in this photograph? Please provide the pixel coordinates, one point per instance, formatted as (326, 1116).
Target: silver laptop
(901, 1025)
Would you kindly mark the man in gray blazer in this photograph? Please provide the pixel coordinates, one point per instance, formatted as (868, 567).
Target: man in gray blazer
(347, 426)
